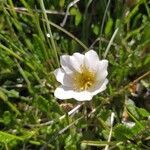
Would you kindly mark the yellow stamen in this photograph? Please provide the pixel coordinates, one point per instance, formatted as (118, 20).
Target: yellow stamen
(84, 80)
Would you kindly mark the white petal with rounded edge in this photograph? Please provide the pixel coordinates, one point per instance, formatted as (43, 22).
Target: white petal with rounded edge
(99, 87)
(75, 64)
(91, 60)
(101, 75)
(77, 60)
(79, 57)
(101, 70)
(82, 96)
(63, 92)
(59, 74)
(65, 63)
(103, 64)
(63, 78)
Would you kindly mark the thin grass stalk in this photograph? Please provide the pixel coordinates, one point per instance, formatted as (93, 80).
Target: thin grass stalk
(5, 99)
(50, 32)
(10, 52)
(67, 11)
(110, 43)
(111, 128)
(24, 76)
(42, 38)
(103, 22)
(13, 9)
(61, 29)
(69, 34)
(147, 8)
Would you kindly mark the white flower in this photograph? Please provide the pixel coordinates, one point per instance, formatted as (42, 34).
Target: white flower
(81, 76)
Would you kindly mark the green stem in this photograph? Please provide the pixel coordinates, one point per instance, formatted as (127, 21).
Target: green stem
(9, 51)
(49, 30)
(24, 76)
(69, 34)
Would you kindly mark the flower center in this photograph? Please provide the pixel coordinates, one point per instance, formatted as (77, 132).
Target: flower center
(84, 80)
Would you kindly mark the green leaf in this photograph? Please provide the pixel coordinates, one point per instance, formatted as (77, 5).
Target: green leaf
(108, 28)
(95, 29)
(61, 3)
(7, 117)
(97, 143)
(132, 109)
(122, 132)
(28, 134)
(3, 96)
(42, 104)
(137, 129)
(78, 15)
(143, 112)
(13, 93)
(6, 137)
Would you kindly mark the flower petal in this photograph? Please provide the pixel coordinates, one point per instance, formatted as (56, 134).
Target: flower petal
(59, 74)
(65, 63)
(103, 64)
(63, 78)
(63, 92)
(79, 57)
(76, 61)
(68, 80)
(91, 60)
(82, 96)
(101, 75)
(99, 87)
(101, 70)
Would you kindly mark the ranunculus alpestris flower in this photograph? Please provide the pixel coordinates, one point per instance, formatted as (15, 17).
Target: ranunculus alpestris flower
(81, 76)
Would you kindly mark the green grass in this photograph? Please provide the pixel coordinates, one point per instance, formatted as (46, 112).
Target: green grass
(31, 117)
